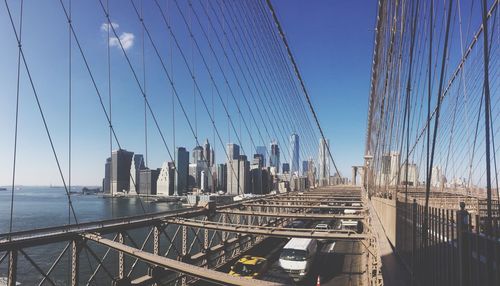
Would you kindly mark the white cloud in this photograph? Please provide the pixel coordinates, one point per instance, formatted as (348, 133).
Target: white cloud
(105, 26)
(127, 40)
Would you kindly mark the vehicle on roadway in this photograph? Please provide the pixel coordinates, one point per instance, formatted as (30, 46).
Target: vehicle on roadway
(322, 226)
(298, 256)
(354, 225)
(249, 267)
(297, 224)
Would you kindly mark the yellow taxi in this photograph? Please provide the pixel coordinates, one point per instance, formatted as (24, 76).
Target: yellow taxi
(249, 267)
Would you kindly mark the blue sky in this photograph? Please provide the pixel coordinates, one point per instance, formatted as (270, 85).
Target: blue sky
(332, 42)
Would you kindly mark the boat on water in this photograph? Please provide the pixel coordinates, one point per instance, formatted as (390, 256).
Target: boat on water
(3, 189)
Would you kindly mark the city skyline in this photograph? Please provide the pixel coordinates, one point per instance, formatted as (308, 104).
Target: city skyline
(196, 170)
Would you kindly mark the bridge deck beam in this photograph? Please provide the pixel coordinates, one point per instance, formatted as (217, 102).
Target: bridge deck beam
(188, 269)
(271, 231)
(292, 215)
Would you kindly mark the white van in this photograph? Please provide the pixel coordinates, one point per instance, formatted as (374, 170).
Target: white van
(297, 257)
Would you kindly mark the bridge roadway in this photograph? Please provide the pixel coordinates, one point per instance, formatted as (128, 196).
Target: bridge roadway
(342, 256)
(337, 263)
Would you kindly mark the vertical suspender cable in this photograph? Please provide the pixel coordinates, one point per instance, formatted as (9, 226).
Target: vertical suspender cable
(171, 48)
(214, 188)
(145, 93)
(69, 107)
(69, 116)
(137, 187)
(487, 118)
(489, 222)
(16, 121)
(191, 36)
(408, 96)
(429, 96)
(110, 121)
(436, 120)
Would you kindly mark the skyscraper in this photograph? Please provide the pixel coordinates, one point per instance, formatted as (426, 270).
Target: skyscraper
(181, 174)
(311, 173)
(233, 154)
(390, 168)
(207, 153)
(195, 170)
(258, 161)
(212, 157)
(274, 157)
(106, 182)
(256, 177)
(305, 167)
(120, 170)
(262, 151)
(244, 175)
(294, 154)
(395, 168)
(148, 180)
(204, 181)
(165, 183)
(286, 168)
(233, 151)
(193, 175)
(221, 177)
(436, 176)
(324, 162)
(412, 175)
(232, 176)
(136, 166)
(238, 181)
(197, 154)
(266, 181)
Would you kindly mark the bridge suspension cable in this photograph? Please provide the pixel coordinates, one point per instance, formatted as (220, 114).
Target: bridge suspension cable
(302, 84)
(431, 124)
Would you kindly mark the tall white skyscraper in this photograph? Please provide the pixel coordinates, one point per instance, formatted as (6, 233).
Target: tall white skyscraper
(294, 154)
(137, 164)
(436, 176)
(165, 183)
(324, 162)
(412, 175)
(395, 169)
(390, 169)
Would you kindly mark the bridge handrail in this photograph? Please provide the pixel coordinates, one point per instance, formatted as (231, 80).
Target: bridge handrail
(92, 226)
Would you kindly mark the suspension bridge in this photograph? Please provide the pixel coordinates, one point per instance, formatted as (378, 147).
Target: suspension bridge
(423, 209)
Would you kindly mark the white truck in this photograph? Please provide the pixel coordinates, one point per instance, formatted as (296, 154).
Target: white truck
(297, 257)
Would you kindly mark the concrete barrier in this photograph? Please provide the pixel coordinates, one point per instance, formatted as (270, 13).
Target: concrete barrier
(386, 211)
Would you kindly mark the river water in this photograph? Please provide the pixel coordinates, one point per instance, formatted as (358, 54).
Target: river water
(38, 207)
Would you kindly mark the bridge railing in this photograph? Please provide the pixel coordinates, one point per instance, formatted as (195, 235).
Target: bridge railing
(447, 248)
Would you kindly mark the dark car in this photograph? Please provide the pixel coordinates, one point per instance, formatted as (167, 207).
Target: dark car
(297, 224)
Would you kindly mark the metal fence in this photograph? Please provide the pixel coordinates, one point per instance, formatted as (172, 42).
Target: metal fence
(447, 249)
